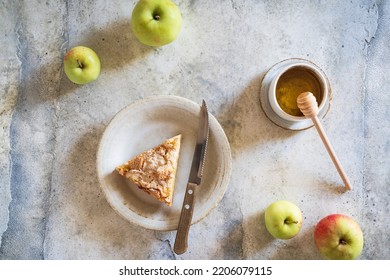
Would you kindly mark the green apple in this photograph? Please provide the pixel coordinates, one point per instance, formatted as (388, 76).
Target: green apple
(156, 22)
(81, 65)
(283, 219)
(338, 237)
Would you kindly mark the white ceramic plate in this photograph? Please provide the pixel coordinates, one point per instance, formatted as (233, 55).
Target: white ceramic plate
(143, 125)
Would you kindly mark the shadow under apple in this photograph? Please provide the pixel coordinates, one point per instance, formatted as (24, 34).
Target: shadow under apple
(116, 47)
(300, 247)
(256, 228)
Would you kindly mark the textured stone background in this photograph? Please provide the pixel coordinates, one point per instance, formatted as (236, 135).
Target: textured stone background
(51, 206)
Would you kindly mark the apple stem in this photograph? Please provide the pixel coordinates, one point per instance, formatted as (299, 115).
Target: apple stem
(156, 17)
(343, 242)
(290, 222)
(79, 63)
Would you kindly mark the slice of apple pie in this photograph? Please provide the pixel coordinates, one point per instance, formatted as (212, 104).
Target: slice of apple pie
(154, 171)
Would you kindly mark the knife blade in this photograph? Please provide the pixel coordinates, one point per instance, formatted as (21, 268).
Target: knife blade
(194, 180)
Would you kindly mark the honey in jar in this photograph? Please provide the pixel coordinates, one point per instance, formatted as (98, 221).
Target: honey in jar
(292, 83)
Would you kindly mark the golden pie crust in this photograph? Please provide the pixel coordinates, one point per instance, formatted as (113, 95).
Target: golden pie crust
(154, 171)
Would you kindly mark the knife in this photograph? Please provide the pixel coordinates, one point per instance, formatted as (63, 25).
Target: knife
(194, 180)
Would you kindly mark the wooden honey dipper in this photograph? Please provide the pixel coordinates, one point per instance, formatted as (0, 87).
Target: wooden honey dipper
(308, 105)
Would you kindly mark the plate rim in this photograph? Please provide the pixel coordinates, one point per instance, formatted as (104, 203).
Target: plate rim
(217, 128)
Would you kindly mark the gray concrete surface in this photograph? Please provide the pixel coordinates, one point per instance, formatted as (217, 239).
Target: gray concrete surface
(51, 206)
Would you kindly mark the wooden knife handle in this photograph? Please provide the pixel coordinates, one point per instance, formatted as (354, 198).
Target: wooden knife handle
(181, 241)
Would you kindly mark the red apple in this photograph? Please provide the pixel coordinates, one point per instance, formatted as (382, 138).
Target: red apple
(338, 237)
